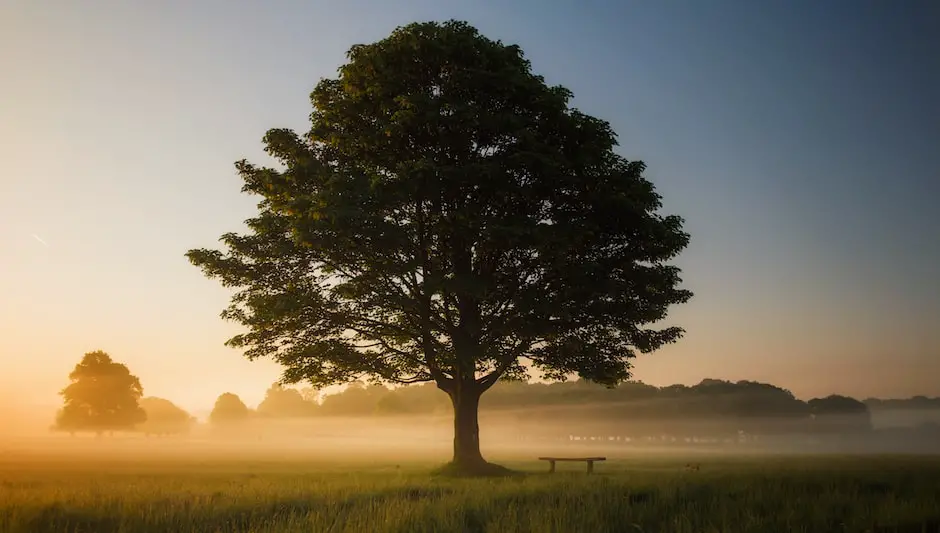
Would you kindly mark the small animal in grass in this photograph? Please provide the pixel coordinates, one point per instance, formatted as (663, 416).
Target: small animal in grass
(693, 467)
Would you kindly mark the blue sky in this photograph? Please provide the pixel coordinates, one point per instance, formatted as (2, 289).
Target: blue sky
(799, 139)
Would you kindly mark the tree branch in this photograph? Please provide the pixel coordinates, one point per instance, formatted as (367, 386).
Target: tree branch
(503, 364)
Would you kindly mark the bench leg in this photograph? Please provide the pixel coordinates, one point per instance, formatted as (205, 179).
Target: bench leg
(551, 467)
(590, 466)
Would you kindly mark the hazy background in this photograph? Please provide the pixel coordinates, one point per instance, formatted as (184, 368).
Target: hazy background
(798, 138)
(416, 422)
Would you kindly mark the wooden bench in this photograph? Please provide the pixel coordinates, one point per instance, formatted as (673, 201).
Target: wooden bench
(588, 460)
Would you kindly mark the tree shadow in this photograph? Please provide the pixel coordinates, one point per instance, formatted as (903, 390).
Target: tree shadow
(237, 516)
(484, 470)
(57, 517)
(926, 526)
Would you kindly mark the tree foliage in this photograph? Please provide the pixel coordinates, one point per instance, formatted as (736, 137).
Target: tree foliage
(284, 402)
(914, 403)
(164, 417)
(630, 402)
(103, 396)
(841, 413)
(228, 409)
(447, 216)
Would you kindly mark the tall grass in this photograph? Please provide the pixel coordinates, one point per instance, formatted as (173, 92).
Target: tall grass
(808, 494)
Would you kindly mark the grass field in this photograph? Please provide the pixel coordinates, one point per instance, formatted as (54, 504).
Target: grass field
(40, 493)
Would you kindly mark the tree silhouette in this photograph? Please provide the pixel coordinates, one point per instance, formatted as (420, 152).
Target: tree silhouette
(164, 417)
(281, 402)
(228, 409)
(103, 396)
(447, 216)
(840, 414)
(356, 399)
(713, 406)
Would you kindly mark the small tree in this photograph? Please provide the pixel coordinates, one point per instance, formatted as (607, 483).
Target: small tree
(103, 396)
(283, 402)
(840, 414)
(229, 408)
(164, 417)
(447, 217)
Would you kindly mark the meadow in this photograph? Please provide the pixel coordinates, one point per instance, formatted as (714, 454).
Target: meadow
(106, 492)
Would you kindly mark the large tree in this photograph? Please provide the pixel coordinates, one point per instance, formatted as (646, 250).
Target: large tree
(448, 217)
(103, 396)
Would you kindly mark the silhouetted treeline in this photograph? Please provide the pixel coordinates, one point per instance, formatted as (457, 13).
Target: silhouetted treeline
(101, 387)
(915, 402)
(712, 406)
(919, 411)
(711, 397)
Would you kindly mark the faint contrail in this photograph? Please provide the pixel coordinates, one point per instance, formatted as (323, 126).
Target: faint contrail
(38, 238)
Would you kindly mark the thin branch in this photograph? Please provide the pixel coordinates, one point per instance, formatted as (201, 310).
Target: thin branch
(503, 365)
(410, 381)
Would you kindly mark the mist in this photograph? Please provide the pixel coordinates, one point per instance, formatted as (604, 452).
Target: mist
(508, 434)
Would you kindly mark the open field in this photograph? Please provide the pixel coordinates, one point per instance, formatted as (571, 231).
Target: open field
(113, 492)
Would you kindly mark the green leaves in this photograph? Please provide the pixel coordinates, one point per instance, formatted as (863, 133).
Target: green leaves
(102, 396)
(446, 216)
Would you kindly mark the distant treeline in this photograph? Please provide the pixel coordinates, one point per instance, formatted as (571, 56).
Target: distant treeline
(104, 396)
(916, 402)
(710, 397)
(708, 407)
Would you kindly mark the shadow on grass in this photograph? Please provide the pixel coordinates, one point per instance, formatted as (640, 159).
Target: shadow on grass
(234, 516)
(484, 470)
(930, 526)
(876, 488)
(566, 474)
(412, 494)
(170, 515)
(58, 517)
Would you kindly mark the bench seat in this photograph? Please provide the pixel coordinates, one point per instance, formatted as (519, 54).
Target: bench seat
(589, 460)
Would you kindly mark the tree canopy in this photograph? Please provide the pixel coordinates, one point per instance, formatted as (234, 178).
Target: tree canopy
(164, 417)
(447, 217)
(283, 402)
(229, 408)
(103, 396)
(841, 413)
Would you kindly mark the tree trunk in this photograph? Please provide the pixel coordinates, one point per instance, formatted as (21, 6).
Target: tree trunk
(466, 401)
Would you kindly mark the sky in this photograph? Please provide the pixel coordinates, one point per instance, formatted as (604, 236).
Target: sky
(800, 140)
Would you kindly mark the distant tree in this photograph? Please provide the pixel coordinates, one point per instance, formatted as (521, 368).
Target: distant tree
(713, 386)
(392, 404)
(356, 400)
(424, 398)
(840, 414)
(675, 390)
(311, 394)
(715, 406)
(164, 418)
(283, 402)
(447, 216)
(103, 396)
(229, 408)
(914, 402)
